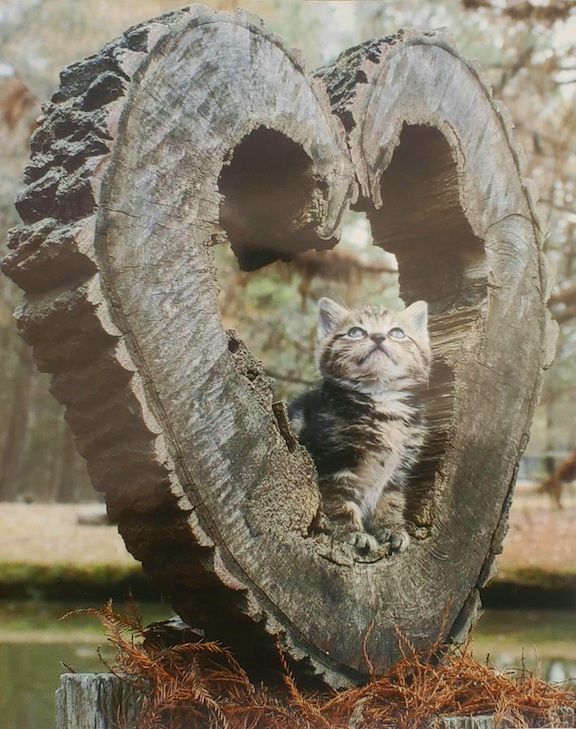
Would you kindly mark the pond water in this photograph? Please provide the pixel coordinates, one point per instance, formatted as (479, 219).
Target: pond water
(34, 645)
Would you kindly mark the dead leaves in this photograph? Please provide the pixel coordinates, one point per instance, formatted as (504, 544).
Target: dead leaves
(194, 685)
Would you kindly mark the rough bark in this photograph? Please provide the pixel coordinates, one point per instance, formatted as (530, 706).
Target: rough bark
(195, 127)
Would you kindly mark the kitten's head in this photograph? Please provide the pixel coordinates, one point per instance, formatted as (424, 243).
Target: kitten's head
(373, 348)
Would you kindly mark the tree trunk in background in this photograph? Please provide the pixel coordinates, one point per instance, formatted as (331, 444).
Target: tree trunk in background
(38, 458)
(195, 127)
(16, 421)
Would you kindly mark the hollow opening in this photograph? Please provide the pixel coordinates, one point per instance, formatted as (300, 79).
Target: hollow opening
(421, 221)
(421, 229)
(441, 261)
(275, 311)
(275, 267)
(267, 202)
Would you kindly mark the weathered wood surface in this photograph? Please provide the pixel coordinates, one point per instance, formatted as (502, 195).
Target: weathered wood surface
(95, 701)
(196, 126)
(442, 185)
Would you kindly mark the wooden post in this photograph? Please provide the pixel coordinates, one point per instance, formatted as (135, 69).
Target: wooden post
(195, 128)
(95, 701)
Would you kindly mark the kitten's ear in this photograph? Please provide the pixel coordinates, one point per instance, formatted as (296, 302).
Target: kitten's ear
(418, 313)
(330, 314)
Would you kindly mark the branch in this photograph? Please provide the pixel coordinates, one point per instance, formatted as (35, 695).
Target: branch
(336, 265)
(564, 296)
(549, 13)
(289, 378)
(560, 208)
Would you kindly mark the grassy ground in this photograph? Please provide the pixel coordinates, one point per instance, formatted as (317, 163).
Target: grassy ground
(44, 544)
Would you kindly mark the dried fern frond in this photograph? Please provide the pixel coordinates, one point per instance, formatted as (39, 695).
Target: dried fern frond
(199, 684)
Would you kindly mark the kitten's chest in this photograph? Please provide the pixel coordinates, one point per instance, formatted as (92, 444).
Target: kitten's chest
(388, 442)
(382, 434)
(377, 469)
(372, 476)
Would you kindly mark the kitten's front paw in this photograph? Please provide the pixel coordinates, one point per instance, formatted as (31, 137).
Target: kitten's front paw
(397, 538)
(362, 541)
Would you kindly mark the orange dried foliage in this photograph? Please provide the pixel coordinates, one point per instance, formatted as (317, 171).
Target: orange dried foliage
(195, 685)
(565, 473)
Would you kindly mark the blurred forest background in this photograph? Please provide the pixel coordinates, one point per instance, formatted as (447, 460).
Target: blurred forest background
(527, 50)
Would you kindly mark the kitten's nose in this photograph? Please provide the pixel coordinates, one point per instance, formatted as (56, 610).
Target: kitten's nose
(377, 337)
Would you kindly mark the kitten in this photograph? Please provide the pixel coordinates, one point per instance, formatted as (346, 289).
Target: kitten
(363, 425)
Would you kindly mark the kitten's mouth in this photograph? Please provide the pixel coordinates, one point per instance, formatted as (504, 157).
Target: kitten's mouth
(377, 349)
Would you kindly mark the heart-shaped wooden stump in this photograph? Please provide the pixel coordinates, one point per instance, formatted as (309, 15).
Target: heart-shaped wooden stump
(197, 127)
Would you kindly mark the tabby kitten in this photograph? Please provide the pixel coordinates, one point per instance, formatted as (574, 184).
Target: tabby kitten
(363, 424)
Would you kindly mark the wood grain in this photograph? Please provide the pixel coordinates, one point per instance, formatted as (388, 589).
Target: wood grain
(442, 185)
(197, 128)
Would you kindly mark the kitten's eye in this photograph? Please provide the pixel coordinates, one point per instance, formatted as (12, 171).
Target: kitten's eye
(356, 333)
(397, 333)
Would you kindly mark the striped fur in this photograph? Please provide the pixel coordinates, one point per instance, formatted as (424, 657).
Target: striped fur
(363, 424)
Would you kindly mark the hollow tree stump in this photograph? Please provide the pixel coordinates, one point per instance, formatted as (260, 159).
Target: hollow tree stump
(198, 126)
